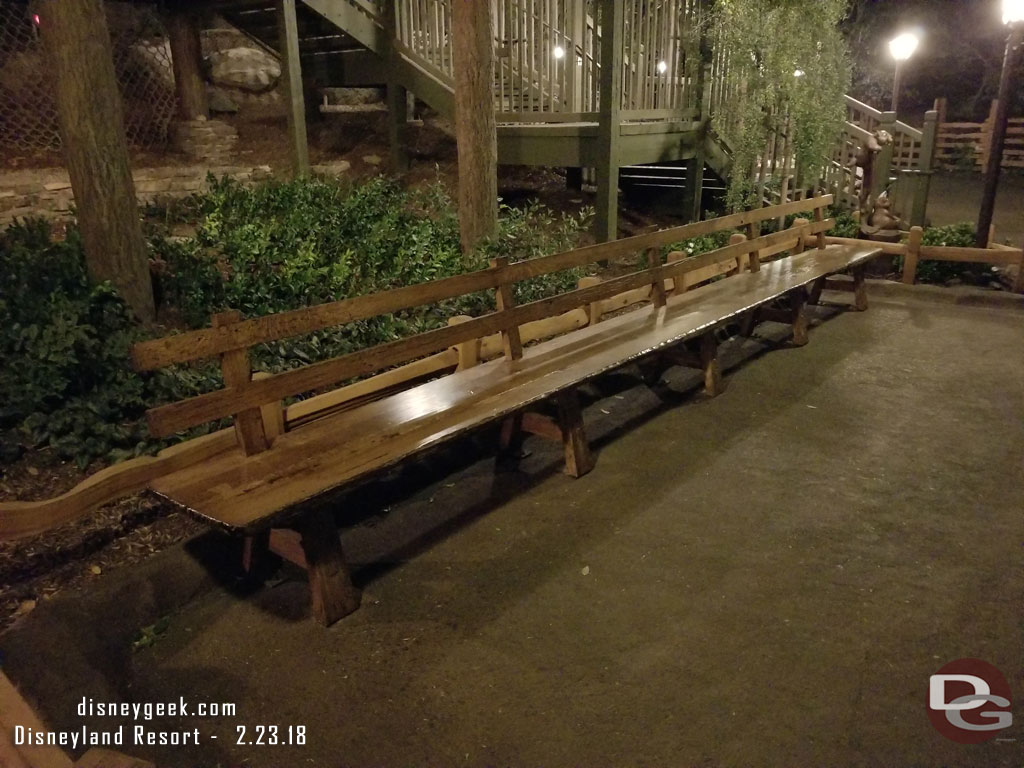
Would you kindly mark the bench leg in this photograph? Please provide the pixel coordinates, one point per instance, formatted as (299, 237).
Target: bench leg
(749, 322)
(798, 310)
(510, 443)
(258, 561)
(709, 362)
(816, 288)
(330, 584)
(860, 288)
(578, 459)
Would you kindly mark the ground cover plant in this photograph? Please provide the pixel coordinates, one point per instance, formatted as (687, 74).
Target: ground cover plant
(65, 341)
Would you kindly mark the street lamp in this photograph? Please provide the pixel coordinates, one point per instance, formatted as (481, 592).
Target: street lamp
(1013, 17)
(901, 47)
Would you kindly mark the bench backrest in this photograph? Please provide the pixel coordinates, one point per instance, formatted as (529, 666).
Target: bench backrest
(230, 337)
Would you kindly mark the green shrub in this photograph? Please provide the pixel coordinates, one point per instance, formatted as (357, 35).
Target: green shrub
(960, 235)
(65, 341)
(64, 351)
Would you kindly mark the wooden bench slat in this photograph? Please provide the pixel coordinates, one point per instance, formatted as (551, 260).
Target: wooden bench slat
(242, 492)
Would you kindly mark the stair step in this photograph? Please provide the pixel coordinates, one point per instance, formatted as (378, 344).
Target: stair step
(98, 757)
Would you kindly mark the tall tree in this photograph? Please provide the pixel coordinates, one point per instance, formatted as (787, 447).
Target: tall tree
(187, 55)
(475, 130)
(92, 132)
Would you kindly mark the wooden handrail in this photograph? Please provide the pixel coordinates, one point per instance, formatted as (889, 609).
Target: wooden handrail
(174, 417)
(210, 342)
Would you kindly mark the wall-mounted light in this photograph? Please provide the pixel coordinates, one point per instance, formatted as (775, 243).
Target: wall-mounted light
(559, 52)
(663, 67)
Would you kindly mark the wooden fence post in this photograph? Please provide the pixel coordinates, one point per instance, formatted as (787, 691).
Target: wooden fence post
(883, 159)
(987, 129)
(912, 254)
(925, 166)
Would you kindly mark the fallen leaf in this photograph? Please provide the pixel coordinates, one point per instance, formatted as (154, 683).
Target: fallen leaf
(26, 606)
(95, 570)
(586, 570)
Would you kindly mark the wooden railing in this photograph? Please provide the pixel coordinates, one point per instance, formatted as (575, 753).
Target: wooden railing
(913, 252)
(231, 338)
(967, 145)
(547, 62)
(909, 158)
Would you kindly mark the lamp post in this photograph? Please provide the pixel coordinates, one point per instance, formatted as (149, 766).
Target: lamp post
(901, 47)
(1013, 17)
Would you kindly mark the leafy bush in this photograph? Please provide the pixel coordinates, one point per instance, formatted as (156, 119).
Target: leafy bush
(65, 341)
(64, 351)
(695, 246)
(960, 235)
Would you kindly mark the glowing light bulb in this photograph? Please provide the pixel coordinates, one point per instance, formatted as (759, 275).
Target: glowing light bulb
(663, 67)
(1013, 11)
(559, 52)
(902, 47)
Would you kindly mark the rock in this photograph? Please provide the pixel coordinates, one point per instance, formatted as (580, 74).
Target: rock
(248, 69)
(221, 102)
(210, 140)
(1008, 274)
(335, 168)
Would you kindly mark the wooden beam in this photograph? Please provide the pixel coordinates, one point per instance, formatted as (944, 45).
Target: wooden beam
(187, 61)
(291, 76)
(578, 459)
(330, 584)
(237, 373)
(610, 126)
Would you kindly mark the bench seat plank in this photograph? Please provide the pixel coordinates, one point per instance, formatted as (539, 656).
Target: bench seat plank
(246, 493)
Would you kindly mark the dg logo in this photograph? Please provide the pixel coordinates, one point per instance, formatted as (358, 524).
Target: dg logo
(969, 701)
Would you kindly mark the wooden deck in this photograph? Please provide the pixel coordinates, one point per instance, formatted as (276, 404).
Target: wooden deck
(246, 493)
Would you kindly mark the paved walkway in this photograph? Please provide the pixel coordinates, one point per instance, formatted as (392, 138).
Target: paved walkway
(768, 578)
(956, 197)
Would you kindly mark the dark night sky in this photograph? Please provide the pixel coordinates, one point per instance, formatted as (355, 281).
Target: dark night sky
(959, 58)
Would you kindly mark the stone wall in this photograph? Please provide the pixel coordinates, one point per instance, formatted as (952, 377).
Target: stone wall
(47, 192)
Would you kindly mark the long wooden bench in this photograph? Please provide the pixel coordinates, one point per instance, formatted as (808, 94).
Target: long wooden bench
(485, 370)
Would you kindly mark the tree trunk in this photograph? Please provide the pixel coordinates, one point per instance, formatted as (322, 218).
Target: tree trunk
(187, 56)
(475, 131)
(92, 133)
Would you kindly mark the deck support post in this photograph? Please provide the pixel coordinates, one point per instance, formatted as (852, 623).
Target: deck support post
(397, 96)
(610, 126)
(330, 584)
(291, 74)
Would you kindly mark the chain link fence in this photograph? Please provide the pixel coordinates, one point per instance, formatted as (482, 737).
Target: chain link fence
(142, 62)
